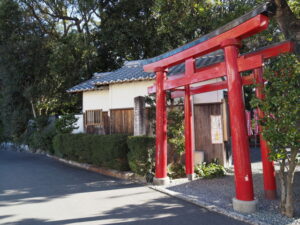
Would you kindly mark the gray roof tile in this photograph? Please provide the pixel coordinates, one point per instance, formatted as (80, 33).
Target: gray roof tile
(133, 71)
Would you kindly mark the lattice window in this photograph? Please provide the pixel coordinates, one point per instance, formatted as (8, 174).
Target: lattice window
(93, 117)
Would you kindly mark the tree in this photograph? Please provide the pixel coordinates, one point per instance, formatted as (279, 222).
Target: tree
(22, 56)
(287, 16)
(281, 124)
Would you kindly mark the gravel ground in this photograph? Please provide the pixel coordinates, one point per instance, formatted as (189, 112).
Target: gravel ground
(219, 192)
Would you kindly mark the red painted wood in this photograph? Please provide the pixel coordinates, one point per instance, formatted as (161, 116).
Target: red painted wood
(246, 29)
(240, 144)
(161, 128)
(246, 62)
(207, 73)
(268, 165)
(274, 50)
(247, 80)
(189, 153)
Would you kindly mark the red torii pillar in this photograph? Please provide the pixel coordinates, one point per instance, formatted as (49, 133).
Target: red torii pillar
(161, 130)
(244, 200)
(188, 133)
(188, 127)
(268, 166)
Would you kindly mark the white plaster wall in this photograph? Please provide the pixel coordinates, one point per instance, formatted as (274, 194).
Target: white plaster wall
(95, 100)
(208, 97)
(122, 95)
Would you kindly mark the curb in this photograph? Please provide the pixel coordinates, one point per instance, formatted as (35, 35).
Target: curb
(125, 175)
(209, 206)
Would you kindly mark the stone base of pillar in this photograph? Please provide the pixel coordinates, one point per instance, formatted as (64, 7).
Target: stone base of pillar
(270, 194)
(190, 176)
(161, 181)
(244, 206)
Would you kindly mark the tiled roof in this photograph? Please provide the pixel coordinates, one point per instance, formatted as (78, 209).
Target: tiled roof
(206, 60)
(133, 71)
(88, 85)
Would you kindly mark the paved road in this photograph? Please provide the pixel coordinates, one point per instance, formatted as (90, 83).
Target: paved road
(37, 190)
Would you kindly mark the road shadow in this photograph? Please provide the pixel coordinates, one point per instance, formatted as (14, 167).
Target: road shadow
(160, 211)
(33, 178)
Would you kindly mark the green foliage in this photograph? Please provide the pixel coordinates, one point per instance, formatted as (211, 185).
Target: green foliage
(175, 117)
(281, 123)
(281, 106)
(176, 129)
(101, 150)
(210, 170)
(42, 139)
(21, 60)
(65, 124)
(39, 134)
(47, 47)
(176, 170)
(141, 155)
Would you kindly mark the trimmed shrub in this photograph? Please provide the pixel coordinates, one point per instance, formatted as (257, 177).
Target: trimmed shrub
(101, 150)
(141, 155)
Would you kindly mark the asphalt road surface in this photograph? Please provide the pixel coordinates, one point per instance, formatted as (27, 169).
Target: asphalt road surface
(37, 190)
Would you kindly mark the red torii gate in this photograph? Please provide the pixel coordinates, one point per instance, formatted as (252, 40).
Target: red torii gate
(229, 39)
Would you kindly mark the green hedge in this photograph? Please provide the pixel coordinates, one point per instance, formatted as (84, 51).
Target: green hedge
(141, 154)
(101, 150)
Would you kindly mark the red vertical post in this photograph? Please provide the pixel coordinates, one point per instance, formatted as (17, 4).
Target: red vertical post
(268, 165)
(189, 154)
(161, 131)
(244, 200)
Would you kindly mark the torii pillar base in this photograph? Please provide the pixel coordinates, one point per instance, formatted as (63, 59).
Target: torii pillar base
(191, 176)
(244, 206)
(161, 181)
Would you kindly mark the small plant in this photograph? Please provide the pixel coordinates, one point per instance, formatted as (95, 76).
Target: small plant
(176, 170)
(210, 170)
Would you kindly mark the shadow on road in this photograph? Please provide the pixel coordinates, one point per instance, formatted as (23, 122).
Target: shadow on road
(156, 212)
(34, 179)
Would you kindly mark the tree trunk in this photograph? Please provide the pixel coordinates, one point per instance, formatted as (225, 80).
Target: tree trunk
(287, 181)
(288, 22)
(33, 109)
(289, 204)
(283, 186)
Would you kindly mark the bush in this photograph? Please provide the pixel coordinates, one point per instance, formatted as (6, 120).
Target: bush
(176, 170)
(101, 150)
(210, 170)
(141, 155)
(39, 134)
(65, 124)
(43, 139)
